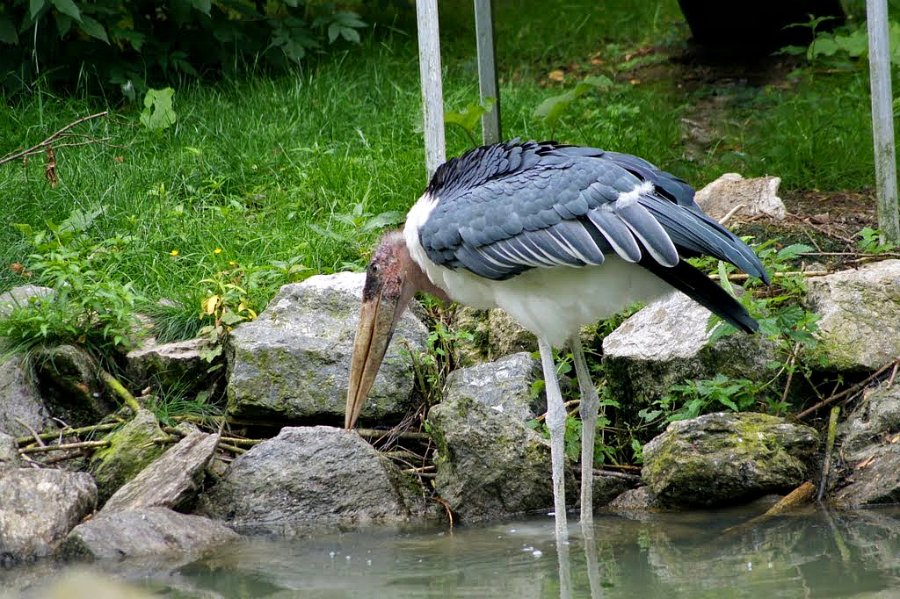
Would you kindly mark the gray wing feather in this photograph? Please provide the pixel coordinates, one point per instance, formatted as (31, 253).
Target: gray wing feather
(648, 230)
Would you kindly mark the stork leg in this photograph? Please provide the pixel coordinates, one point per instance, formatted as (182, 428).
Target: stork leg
(590, 405)
(556, 422)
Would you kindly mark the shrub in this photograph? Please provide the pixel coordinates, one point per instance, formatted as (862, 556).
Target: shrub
(135, 44)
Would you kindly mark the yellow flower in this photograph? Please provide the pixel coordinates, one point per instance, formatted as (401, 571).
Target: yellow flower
(173, 253)
(217, 251)
(232, 263)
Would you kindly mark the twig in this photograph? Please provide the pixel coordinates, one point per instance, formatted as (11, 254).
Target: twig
(231, 448)
(39, 148)
(71, 432)
(790, 366)
(66, 446)
(890, 382)
(741, 276)
(854, 389)
(567, 405)
(829, 449)
(36, 437)
(731, 213)
(238, 442)
(119, 389)
(377, 434)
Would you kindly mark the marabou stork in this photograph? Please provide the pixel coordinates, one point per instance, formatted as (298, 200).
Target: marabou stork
(558, 236)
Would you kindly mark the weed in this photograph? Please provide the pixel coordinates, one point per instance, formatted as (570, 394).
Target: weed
(871, 241)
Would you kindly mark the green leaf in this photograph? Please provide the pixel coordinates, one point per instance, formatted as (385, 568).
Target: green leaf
(203, 6)
(158, 113)
(36, 6)
(67, 7)
(63, 24)
(8, 33)
(93, 29)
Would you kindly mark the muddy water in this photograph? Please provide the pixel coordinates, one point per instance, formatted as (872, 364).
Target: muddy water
(699, 554)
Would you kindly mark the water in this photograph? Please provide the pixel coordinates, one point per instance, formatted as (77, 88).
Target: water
(696, 554)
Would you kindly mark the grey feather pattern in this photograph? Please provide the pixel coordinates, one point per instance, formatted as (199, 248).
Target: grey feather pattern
(506, 208)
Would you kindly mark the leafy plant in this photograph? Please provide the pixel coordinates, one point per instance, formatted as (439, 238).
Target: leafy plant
(468, 118)
(871, 241)
(550, 110)
(158, 113)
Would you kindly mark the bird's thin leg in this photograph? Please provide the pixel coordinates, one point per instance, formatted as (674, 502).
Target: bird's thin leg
(590, 405)
(556, 422)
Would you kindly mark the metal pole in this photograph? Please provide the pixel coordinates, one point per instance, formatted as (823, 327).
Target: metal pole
(487, 70)
(883, 119)
(432, 91)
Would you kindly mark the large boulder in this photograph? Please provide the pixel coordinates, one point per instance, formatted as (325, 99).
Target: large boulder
(178, 365)
(144, 532)
(9, 452)
(503, 386)
(21, 406)
(871, 449)
(131, 448)
(293, 361)
(859, 313)
(490, 464)
(171, 481)
(667, 342)
(484, 335)
(21, 297)
(39, 507)
(68, 379)
(748, 198)
(724, 458)
(309, 477)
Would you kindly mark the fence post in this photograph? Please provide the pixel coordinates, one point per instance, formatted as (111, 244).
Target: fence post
(432, 91)
(883, 119)
(487, 70)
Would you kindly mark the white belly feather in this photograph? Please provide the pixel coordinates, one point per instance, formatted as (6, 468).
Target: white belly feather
(553, 303)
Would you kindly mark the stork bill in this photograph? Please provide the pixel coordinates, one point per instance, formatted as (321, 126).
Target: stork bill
(558, 236)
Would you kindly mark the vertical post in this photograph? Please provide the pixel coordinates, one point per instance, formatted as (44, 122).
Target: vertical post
(883, 119)
(487, 70)
(432, 91)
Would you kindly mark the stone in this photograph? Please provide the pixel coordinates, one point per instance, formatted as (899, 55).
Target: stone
(494, 334)
(69, 381)
(172, 480)
(9, 452)
(148, 531)
(21, 406)
(20, 297)
(176, 366)
(726, 458)
(608, 486)
(39, 507)
(489, 464)
(640, 499)
(131, 448)
(859, 315)
(503, 386)
(871, 449)
(87, 584)
(312, 477)
(757, 196)
(293, 361)
(666, 343)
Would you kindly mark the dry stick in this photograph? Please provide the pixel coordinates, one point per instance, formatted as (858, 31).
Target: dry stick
(731, 213)
(796, 498)
(829, 448)
(36, 437)
(231, 448)
(890, 382)
(857, 387)
(119, 389)
(238, 442)
(741, 276)
(375, 434)
(39, 148)
(67, 432)
(65, 446)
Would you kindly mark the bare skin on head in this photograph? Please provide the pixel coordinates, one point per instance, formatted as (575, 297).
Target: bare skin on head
(392, 279)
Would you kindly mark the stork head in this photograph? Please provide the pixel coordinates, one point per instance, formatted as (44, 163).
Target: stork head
(388, 289)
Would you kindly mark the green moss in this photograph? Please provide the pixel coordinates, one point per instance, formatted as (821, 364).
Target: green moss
(131, 449)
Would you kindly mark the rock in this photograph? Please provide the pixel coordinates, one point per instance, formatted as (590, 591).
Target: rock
(490, 464)
(503, 386)
(608, 486)
(21, 406)
(88, 584)
(294, 360)
(9, 452)
(871, 447)
(144, 532)
(132, 447)
(758, 196)
(859, 313)
(724, 458)
(68, 380)
(172, 480)
(640, 499)
(20, 297)
(666, 343)
(171, 366)
(494, 334)
(39, 507)
(312, 477)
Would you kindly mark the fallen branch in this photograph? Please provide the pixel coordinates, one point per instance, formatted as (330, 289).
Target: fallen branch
(800, 496)
(741, 276)
(41, 147)
(829, 449)
(70, 432)
(66, 446)
(848, 392)
(371, 433)
(231, 448)
(113, 384)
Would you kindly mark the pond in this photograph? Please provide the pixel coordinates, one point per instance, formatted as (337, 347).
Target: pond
(817, 553)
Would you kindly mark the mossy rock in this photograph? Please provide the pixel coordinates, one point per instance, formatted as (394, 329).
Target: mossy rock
(131, 449)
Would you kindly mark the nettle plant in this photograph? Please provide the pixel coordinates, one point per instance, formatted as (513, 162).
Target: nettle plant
(88, 306)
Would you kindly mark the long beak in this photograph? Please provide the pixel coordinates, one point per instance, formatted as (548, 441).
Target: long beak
(376, 327)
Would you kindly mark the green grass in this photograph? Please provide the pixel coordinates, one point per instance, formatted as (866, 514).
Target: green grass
(289, 167)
